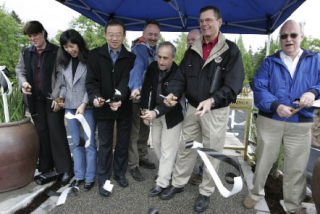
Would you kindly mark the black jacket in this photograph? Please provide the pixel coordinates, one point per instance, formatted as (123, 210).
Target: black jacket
(150, 84)
(47, 71)
(220, 76)
(103, 77)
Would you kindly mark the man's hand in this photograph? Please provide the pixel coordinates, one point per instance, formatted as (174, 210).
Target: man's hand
(148, 115)
(135, 94)
(98, 102)
(55, 106)
(26, 88)
(81, 108)
(170, 100)
(307, 99)
(114, 106)
(204, 106)
(284, 111)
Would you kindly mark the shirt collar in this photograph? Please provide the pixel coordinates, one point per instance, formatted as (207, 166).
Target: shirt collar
(211, 43)
(117, 52)
(283, 55)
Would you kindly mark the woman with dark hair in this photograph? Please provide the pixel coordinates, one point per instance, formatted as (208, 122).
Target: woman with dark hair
(40, 83)
(72, 61)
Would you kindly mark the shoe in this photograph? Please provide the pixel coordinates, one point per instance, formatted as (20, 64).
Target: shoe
(249, 203)
(103, 192)
(170, 192)
(88, 186)
(66, 177)
(196, 180)
(147, 164)
(202, 203)
(136, 174)
(155, 191)
(122, 181)
(76, 183)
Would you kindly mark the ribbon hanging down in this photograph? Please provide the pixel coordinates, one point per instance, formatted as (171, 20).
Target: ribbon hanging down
(237, 180)
(84, 124)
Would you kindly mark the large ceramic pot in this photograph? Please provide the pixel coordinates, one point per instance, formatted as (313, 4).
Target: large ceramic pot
(18, 154)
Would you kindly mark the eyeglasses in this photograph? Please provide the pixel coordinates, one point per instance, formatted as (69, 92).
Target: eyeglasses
(116, 36)
(207, 20)
(292, 35)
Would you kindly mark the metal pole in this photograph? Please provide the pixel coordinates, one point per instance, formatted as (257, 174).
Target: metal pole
(268, 45)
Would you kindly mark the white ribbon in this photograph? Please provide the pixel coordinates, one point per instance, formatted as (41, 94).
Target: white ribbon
(84, 124)
(237, 187)
(63, 197)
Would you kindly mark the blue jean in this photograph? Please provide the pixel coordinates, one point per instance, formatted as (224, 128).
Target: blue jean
(85, 159)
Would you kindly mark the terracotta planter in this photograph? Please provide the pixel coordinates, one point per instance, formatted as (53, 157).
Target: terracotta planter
(18, 154)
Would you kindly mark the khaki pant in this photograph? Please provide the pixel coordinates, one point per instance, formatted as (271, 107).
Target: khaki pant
(296, 138)
(165, 142)
(138, 148)
(210, 129)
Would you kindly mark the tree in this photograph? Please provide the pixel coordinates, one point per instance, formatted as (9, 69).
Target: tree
(181, 45)
(247, 61)
(311, 44)
(11, 40)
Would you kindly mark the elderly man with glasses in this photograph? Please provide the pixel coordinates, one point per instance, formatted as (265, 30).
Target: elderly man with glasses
(285, 87)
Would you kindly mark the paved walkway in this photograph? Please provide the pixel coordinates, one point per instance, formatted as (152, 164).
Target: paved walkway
(134, 199)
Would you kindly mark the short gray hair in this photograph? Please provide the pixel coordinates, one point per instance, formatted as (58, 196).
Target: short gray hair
(301, 26)
(166, 43)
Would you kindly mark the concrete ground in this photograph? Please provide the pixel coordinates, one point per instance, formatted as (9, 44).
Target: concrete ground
(134, 198)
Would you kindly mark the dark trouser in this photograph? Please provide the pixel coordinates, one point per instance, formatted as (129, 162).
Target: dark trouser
(54, 149)
(138, 148)
(106, 157)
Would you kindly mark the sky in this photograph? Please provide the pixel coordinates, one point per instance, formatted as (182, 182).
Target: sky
(55, 16)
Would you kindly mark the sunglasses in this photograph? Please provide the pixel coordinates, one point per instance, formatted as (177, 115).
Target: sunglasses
(292, 35)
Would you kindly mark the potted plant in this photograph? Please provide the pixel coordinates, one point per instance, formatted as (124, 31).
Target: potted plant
(18, 139)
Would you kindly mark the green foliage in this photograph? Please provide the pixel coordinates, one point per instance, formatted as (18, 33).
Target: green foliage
(247, 61)
(11, 40)
(92, 32)
(311, 44)
(181, 45)
(16, 108)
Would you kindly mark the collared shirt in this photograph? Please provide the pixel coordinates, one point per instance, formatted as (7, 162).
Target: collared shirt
(291, 63)
(114, 56)
(206, 48)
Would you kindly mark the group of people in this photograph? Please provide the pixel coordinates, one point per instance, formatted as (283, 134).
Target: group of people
(188, 102)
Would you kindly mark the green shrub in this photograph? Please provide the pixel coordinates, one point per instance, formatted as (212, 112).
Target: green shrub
(15, 103)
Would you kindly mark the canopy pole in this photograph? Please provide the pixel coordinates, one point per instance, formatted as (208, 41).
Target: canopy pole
(268, 44)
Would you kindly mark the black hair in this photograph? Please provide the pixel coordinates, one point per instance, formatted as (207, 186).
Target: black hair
(151, 22)
(34, 27)
(113, 22)
(216, 11)
(173, 48)
(73, 36)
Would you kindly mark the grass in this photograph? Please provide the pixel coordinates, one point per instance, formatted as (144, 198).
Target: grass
(16, 107)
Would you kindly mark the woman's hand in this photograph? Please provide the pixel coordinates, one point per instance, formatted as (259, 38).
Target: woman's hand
(81, 108)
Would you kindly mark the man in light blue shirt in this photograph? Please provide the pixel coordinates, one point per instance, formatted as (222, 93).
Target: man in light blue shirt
(145, 50)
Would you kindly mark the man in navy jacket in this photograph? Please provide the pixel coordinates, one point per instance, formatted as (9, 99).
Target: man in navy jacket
(107, 86)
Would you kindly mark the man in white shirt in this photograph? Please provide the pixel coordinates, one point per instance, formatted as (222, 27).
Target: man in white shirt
(289, 75)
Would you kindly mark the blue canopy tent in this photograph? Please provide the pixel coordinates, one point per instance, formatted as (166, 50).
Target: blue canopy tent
(239, 16)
